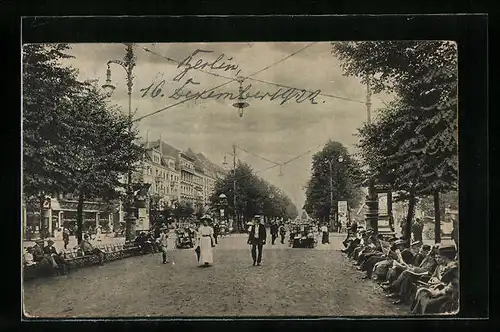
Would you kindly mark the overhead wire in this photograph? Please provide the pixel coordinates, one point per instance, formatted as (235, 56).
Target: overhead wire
(256, 155)
(218, 86)
(256, 79)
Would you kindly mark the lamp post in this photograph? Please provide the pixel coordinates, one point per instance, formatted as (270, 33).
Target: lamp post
(340, 159)
(128, 64)
(241, 104)
(371, 217)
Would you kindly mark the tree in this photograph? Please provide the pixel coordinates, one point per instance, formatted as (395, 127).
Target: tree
(98, 147)
(183, 210)
(346, 181)
(253, 195)
(45, 84)
(421, 125)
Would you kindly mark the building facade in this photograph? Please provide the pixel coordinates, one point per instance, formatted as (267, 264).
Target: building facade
(178, 176)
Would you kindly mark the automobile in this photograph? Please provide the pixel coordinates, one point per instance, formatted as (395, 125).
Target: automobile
(304, 237)
(184, 238)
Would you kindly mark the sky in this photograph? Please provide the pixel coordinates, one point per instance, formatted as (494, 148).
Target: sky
(268, 129)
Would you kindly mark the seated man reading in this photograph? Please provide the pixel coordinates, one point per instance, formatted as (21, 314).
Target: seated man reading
(409, 278)
(397, 254)
(440, 297)
(421, 260)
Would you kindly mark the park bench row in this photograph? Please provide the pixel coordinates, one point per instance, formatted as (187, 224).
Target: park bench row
(75, 259)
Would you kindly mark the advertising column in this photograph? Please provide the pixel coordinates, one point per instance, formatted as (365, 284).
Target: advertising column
(342, 210)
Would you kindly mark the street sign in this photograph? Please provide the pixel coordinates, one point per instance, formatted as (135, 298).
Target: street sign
(342, 210)
(142, 223)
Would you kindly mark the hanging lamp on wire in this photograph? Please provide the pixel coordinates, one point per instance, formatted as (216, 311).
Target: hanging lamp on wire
(241, 104)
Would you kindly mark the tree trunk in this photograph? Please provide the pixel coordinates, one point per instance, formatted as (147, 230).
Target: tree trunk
(41, 227)
(79, 218)
(437, 218)
(409, 217)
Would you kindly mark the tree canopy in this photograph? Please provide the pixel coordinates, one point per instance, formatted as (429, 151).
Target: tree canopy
(346, 179)
(74, 141)
(413, 144)
(253, 195)
(414, 141)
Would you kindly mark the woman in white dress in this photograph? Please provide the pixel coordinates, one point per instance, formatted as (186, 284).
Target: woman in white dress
(205, 239)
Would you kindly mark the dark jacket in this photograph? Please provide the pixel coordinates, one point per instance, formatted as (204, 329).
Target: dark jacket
(274, 229)
(418, 259)
(428, 263)
(262, 235)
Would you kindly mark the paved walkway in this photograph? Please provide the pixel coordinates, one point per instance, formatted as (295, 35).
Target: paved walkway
(304, 282)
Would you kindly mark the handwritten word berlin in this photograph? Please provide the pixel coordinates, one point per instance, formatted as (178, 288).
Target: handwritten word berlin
(202, 64)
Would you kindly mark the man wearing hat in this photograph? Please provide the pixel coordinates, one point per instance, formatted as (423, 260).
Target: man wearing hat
(444, 259)
(163, 243)
(442, 296)
(415, 248)
(257, 239)
(427, 263)
(57, 260)
(38, 254)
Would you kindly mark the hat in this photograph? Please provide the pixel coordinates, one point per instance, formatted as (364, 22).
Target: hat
(447, 251)
(426, 247)
(50, 242)
(206, 217)
(257, 216)
(414, 243)
(39, 241)
(399, 242)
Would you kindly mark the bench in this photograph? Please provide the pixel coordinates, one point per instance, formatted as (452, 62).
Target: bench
(75, 259)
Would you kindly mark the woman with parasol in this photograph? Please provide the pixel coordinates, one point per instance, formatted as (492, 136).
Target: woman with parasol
(205, 242)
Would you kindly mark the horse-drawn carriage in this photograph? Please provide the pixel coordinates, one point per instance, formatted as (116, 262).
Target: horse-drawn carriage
(303, 235)
(184, 236)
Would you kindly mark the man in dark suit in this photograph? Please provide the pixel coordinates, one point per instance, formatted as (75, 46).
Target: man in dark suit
(274, 232)
(257, 239)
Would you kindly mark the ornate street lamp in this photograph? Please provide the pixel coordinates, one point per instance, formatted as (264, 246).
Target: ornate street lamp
(128, 64)
(222, 205)
(241, 104)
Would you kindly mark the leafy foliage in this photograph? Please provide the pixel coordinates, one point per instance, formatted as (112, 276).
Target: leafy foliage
(253, 195)
(413, 145)
(73, 139)
(45, 84)
(414, 142)
(346, 178)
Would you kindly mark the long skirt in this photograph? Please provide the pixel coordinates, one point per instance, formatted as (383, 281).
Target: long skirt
(206, 256)
(325, 239)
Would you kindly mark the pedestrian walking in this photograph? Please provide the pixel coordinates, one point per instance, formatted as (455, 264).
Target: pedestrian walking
(98, 233)
(163, 243)
(257, 239)
(205, 242)
(65, 236)
(216, 231)
(274, 232)
(282, 231)
(324, 231)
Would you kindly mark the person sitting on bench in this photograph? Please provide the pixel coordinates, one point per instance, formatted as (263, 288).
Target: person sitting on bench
(88, 249)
